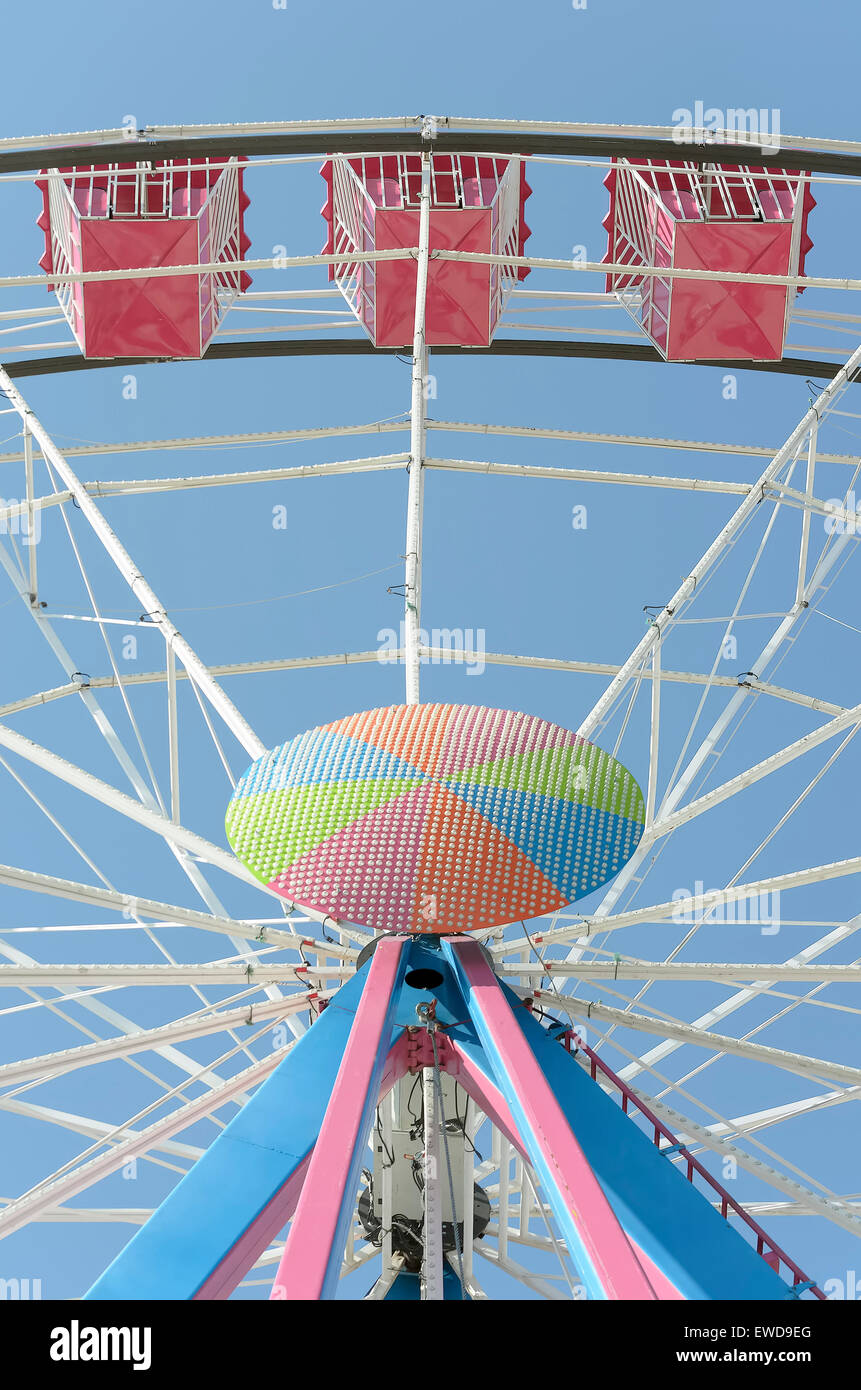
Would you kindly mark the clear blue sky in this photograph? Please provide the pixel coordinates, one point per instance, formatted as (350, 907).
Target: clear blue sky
(500, 555)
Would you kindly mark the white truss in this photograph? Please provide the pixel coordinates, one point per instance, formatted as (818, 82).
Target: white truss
(275, 973)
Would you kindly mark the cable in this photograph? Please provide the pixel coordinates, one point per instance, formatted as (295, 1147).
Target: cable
(417, 1126)
(438, 1084)
(418, 1174)
(462, 1124)
(276, 598)
(389, 1153)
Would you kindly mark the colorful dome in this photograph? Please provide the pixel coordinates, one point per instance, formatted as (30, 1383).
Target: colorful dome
(435, 818)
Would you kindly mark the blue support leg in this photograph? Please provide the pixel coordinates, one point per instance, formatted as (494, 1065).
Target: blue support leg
(221, 1216)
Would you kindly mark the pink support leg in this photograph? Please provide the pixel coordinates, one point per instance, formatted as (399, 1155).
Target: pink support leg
(314, 1246)
(493, 1104)
(616, 1265)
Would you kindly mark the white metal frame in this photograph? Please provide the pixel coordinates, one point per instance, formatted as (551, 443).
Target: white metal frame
(284, 969)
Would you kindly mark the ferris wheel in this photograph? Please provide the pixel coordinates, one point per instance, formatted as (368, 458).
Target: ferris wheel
(422, 1056)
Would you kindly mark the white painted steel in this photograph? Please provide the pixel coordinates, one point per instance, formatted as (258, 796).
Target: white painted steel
(432, 1262)
(685, 591)
(415, 495)
(520, 1216)
(238, 725)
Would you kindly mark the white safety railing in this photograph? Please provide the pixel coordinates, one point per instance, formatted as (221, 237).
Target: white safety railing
(642, 235)
(715, 193)
(66, 253)
(353, 230)
(505, 241)
(220, 240)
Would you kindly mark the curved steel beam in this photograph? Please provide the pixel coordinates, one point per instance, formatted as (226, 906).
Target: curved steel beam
(361, 347)
(325, 142)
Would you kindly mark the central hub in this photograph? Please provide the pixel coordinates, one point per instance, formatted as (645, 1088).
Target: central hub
(435, 819)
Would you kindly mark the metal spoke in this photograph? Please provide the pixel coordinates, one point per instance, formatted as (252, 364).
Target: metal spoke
(768, 505)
